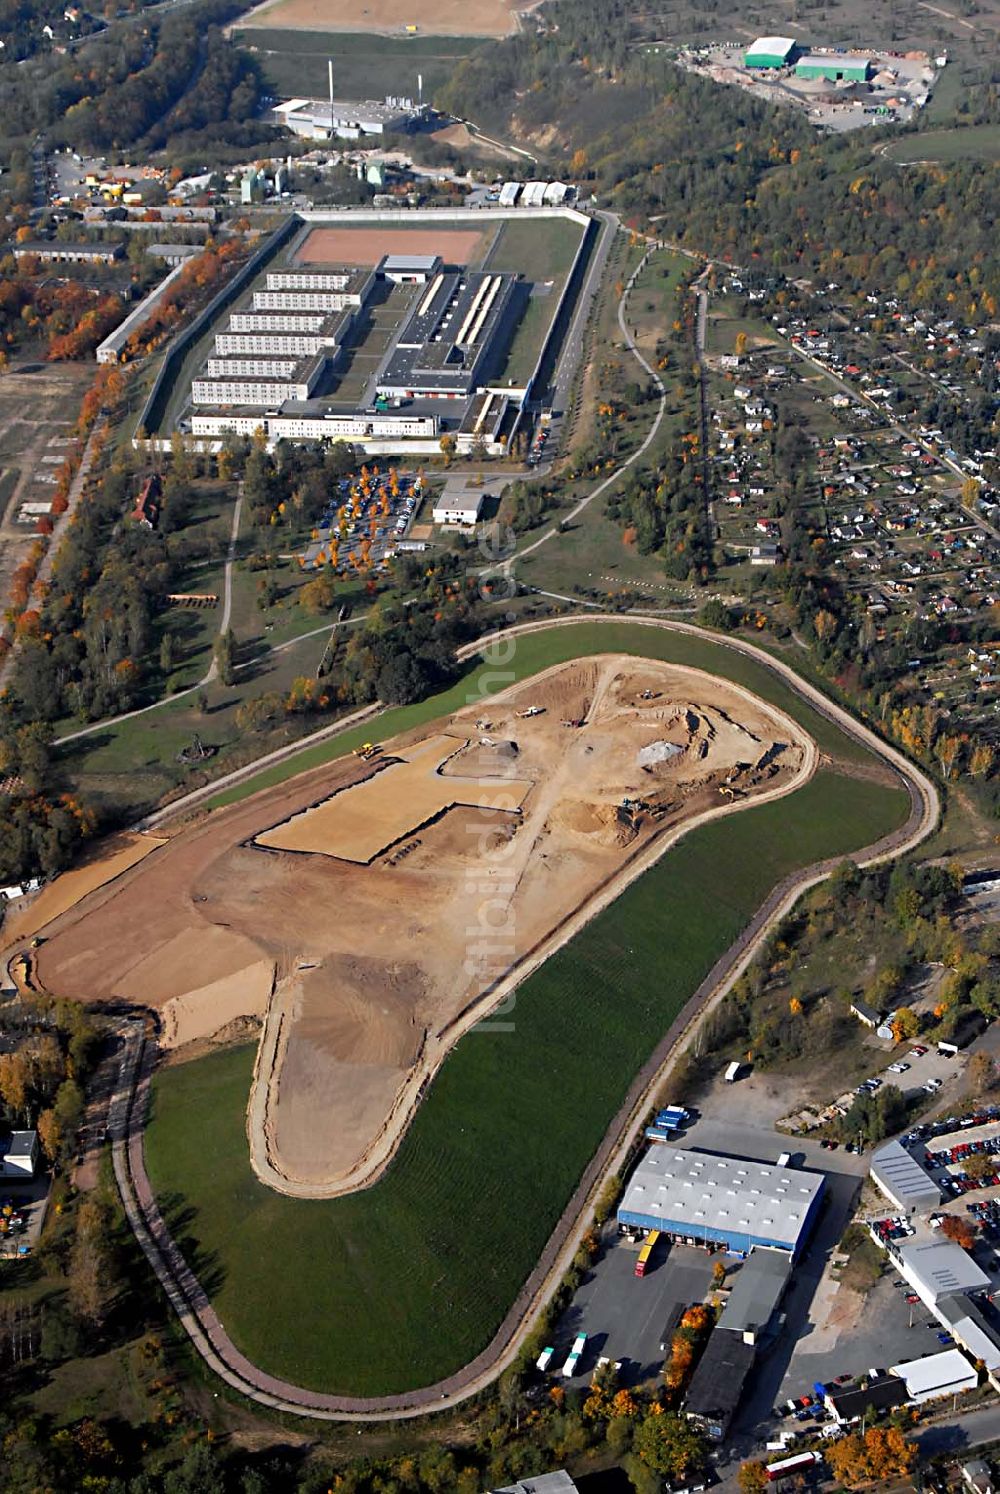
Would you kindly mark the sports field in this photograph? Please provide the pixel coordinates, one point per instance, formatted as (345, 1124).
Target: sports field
(294, 62)
(365, 245)
(413, 1275)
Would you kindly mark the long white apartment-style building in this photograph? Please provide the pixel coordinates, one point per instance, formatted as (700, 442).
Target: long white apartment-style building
(251, 368)
(320, 280)
(291, 426)
(296, 344)
(263, 392)
(251, 321)
(303, 300)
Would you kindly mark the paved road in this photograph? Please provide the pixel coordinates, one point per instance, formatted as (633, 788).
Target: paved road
(960, 1432)
(128, 1109)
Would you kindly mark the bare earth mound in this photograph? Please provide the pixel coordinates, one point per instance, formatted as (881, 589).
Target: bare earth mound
(371, 912)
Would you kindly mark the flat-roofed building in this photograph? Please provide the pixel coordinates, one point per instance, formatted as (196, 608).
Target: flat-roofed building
(937, 1269)
(53, 251)
(936, 1375)
(755, 1295)
(905, 1182)
(837, 67)
(705, 1198)
(409, 269)
(717, 1384)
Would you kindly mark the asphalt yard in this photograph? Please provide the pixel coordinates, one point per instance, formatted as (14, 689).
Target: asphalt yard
(624, 1315)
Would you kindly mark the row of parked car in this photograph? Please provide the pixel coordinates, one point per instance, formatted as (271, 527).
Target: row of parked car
(929, 1130)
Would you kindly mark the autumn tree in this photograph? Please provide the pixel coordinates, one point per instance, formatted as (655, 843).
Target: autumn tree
(958, 1229)
(752, 1478)
(667, 1444)
(88, 1281)
(982, 1075)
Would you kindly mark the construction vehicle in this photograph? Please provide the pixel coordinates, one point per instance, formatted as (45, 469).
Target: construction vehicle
(366, 750)
(532, 711)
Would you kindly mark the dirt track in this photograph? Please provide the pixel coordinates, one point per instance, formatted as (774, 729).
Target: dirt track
(366, 246)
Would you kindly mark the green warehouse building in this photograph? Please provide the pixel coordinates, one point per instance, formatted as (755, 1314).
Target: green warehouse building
(838, 67)
(770, 51)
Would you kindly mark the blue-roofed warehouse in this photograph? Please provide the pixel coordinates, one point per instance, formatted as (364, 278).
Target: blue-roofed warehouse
(708, 1199)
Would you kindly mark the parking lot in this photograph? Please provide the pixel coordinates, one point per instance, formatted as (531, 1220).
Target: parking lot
(623, 1315)
(22, 1214)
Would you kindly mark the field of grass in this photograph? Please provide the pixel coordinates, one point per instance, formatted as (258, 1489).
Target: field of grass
(294, 63)
(403, 1283)
(543, 253)
(978, 143)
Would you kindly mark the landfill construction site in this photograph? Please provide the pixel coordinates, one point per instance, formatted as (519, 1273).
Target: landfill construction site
(365, 914)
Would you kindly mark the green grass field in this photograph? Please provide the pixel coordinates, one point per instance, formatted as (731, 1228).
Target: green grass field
(294, 62)
(403, 1283)
(543, 253)
(977, 143)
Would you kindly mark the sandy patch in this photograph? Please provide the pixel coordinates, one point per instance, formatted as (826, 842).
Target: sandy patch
(405, 794)
(392, 17)
(107, 861)
(374, 891)
(205, 1011)
(366, 246)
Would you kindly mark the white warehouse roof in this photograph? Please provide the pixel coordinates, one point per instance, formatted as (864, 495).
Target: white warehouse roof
(936, 1374)
(718, 1197)
(770, 46)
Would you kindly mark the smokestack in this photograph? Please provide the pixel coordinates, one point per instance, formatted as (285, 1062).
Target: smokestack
(420, 90)
(330, 72)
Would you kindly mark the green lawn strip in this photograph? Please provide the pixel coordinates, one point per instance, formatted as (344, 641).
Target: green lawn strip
(403, 1283)
(538, 651)
(975, 143)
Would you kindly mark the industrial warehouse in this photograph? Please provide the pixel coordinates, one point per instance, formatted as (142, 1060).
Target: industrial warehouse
(391, 336)
(700, 1198)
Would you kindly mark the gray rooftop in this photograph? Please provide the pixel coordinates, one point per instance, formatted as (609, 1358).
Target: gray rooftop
(717, 1384)
(542, 1483)
(730, 1194)
(756, 1291)
(942, 1267)
(20, 1144)
(903, 1176)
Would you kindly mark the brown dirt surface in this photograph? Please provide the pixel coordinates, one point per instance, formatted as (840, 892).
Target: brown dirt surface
(392, 17)
(363, 908)
(366, 246)
(105, 862)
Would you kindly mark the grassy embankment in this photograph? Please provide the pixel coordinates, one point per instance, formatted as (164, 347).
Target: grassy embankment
(403, 1283)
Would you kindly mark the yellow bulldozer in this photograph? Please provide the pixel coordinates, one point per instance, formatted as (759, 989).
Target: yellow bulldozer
(366, 750)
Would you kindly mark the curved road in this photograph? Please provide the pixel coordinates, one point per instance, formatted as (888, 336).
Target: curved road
(188, 1297)
(608, 482)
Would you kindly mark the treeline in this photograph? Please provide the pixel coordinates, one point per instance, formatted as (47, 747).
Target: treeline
(728, 174)
(49, 1050)
(70, 318)
(140, 85)
(907, 914)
